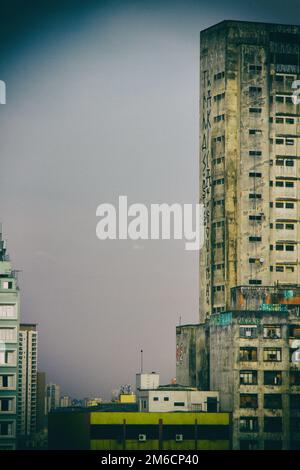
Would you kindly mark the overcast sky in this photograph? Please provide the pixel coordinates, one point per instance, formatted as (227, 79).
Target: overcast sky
(102, 100)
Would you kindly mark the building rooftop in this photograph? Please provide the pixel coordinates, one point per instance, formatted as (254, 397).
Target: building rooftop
(225, 23)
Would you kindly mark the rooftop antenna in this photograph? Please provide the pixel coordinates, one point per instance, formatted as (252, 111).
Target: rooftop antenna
(141, 361)
(179, 320)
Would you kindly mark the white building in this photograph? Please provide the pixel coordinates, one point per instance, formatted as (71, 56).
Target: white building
(9, 326)
(172, 397)
(65, 401)
(27, 387)
(147, 381)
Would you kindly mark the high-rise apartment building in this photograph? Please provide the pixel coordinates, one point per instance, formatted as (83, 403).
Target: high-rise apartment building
(249, 159)
(27, 386)
(9, 330)
(52, 397)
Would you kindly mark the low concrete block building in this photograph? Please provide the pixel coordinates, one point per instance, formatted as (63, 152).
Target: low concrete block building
(100, 430)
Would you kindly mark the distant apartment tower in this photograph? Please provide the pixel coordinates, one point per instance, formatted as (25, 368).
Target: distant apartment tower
(9, 329)
(249, 159)
(52, 397)
(65, 401)
(27, 393)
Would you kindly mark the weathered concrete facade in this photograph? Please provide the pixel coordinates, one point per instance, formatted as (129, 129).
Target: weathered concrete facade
(249, 159)
(253, 364)
(192, 356)
(250, 261)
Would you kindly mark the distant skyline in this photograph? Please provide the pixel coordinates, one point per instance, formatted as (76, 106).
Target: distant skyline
(102, 101)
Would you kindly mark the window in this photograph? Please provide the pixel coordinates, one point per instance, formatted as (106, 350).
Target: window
(289, 205)
(7, 285)
(255, 282)
(254, 196)
(272, 377)
(249, 424)
(8, 357)
(272, 424)
(273, 401)
(289, 247)
(248, 354)
(248, 332)
(289, 269)
(272, 354)
(255, 217)
(6, 428)
(219, 97)
(255, 68)
(295, 402)
(8, 334)
(219, 288)
(218, 160)
(254, 153)
(255, 174)
(7, 381)
(219, 138)
(272, 332)
(255, 132)
(254, 239)
(279, 247)
(155, 398)
(219, 75)
(144, 404)
(290, 120)
(7, 311)
(179, 403)
(248, 377)
(218, 181)
(255, 110)
(255, 90)
(295, 377)
(166, 398)
(7, 405)
(248, 400)
(220, 117)
(294, 331)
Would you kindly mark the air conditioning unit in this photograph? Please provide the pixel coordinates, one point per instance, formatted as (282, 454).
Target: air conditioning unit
(179, 437)
(142, 437)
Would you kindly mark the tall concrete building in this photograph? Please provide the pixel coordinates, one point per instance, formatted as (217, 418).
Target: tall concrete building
(249, 326)
(9, 330)
(27, 387)
(249, 159)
